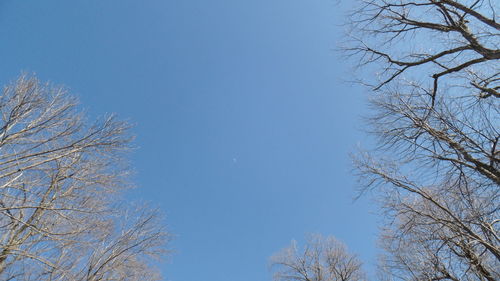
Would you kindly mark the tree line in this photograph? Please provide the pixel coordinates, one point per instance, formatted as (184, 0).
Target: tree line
(433, 68)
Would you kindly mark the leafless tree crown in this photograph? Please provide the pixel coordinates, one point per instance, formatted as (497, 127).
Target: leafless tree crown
(60, 183)
(440, 42)
(321, 259)
(436, 116)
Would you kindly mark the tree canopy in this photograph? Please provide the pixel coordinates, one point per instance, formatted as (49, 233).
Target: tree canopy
(62, 178)
(435, 114)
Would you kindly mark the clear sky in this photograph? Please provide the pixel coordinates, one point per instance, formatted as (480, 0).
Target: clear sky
(243, 123)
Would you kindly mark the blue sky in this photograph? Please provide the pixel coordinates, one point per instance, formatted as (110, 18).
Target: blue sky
(243, 123)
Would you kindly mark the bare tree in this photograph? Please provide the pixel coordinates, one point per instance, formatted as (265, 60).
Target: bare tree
(436, 113)
(62, 216)
(321, 259)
